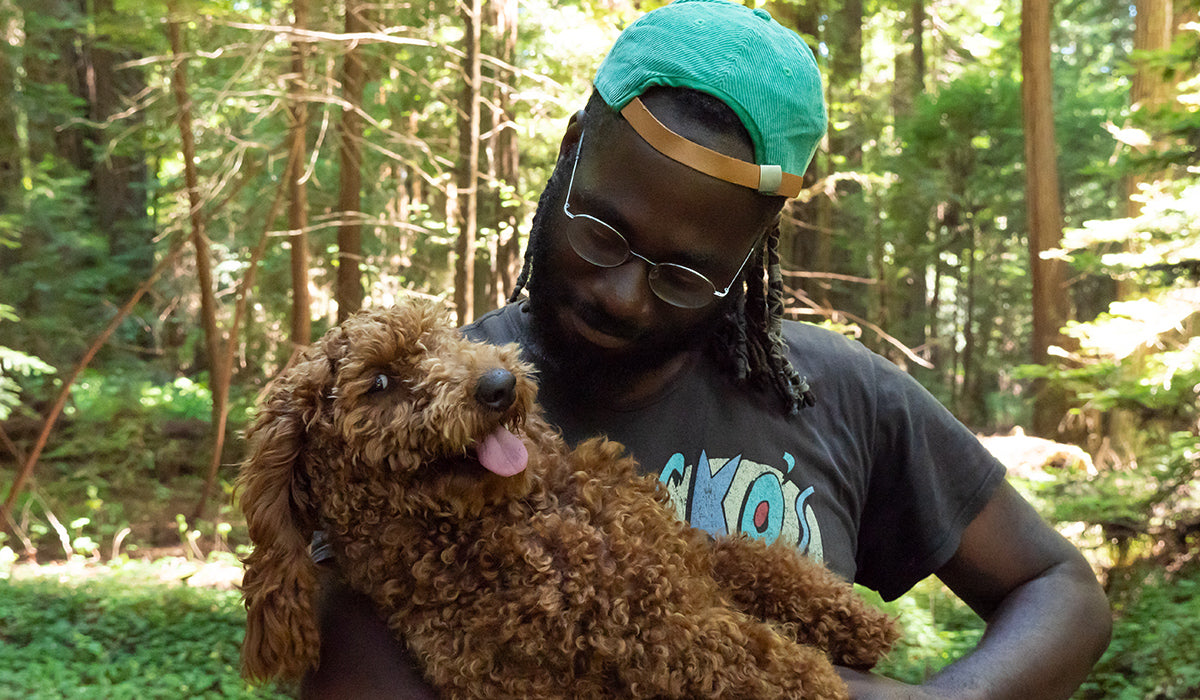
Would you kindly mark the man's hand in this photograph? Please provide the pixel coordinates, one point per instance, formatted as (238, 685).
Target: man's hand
(868, 686)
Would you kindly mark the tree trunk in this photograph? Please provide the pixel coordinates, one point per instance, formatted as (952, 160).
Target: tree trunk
(506, 264)
(1150, 90)
(467, 170)
(349, 292)
(1154, 28)
(909, 70)
(915, 316)
(298, 194)
(1050, 299)
(969, 403)
(805, 238)
(219, 378)
(52, 75)
(847, 218)
(845, 35)
(11, 172)
(119, 173)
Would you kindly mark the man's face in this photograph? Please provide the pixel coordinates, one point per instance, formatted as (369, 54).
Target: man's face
(607, 323)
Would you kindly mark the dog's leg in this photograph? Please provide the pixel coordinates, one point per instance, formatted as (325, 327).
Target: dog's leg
(720, 652)
(774, 582)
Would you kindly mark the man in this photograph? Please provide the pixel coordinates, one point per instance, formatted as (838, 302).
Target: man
(653, 317)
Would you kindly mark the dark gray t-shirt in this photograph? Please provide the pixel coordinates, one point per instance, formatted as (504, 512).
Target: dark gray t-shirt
(877, 480)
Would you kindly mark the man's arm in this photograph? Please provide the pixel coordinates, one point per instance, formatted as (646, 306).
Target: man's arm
(1048, 620)
(360, 659)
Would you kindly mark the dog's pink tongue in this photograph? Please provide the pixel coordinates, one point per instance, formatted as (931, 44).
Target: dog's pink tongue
(503, 453)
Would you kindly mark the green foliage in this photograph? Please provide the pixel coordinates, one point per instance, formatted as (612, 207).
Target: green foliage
(102, 396)
(114, 636)
(1153, 654)
(54, 308)
(1142, 359)
(939, 225)
(1155, 638)
(14, 362)
(1145, 511)
(953, 229)
(937, 629)
(129, 454)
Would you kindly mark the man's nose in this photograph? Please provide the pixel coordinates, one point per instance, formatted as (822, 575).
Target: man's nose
(626, 292)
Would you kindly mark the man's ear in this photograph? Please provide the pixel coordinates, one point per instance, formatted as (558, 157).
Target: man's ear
(572, 134)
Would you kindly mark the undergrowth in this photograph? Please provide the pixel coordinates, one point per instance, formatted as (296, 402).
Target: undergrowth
(1155, 650)
(937, 629)
(112, 635)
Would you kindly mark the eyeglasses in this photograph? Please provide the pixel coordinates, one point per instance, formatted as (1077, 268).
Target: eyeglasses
(603, 246)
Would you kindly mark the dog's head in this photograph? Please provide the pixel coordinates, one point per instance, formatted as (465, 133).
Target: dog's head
(391, 407)
(407, 396)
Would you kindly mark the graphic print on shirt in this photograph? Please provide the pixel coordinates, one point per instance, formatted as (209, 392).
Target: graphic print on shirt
(722, 496)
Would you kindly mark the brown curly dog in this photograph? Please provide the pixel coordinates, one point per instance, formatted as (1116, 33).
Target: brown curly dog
(511, 565)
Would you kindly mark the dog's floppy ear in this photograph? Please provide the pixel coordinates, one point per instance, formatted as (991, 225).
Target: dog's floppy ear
(279, 583)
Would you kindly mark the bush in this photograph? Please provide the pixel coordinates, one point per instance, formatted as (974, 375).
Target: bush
(937, 629)
(1155, 651)
(113, 637)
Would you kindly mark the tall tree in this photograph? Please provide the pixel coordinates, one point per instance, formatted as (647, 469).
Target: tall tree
(844, 35)
(806, 240)
(51, 64)
(10, 145)
(218, 379)
(118, 168)
(1050, 300)
(909, 65)
(349, 293)
(506, 153)
(467, 168)
(1150, 90)
(916, 316)
(298, 193)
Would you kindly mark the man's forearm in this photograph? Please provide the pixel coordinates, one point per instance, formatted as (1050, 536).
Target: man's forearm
(1041, 641)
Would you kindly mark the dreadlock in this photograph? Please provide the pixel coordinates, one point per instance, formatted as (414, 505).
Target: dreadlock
(749, 341)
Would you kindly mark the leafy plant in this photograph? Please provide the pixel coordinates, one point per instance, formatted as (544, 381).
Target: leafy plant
(113, 636)
(1153, 651)
(938, 629)
(14, 362)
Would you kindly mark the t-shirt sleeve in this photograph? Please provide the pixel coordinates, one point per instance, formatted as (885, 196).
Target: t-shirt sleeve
(930, 477)
(496, 327)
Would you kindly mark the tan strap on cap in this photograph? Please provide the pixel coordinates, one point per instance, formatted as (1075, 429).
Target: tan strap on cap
(768, 179)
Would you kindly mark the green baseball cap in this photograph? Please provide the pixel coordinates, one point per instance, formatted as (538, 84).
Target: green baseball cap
(765, 72)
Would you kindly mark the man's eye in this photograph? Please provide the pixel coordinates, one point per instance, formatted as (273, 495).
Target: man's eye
(380, 383)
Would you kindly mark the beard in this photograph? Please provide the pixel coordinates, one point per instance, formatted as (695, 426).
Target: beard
(560, 352)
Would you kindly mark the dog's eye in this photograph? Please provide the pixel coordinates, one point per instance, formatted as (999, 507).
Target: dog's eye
(380, 383)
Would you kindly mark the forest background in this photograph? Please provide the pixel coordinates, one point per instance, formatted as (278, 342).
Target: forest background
(1007, 205)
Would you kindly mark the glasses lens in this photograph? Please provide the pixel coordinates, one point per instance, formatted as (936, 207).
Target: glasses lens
(681, 286)
(596, 242)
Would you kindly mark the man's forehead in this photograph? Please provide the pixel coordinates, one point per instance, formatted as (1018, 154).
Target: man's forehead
(634, 187)
(668, 107)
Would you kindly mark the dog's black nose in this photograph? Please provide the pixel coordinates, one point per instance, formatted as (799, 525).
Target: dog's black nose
(497, 389)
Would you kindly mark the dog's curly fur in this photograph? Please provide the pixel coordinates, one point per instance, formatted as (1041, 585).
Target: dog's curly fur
(572, 578)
